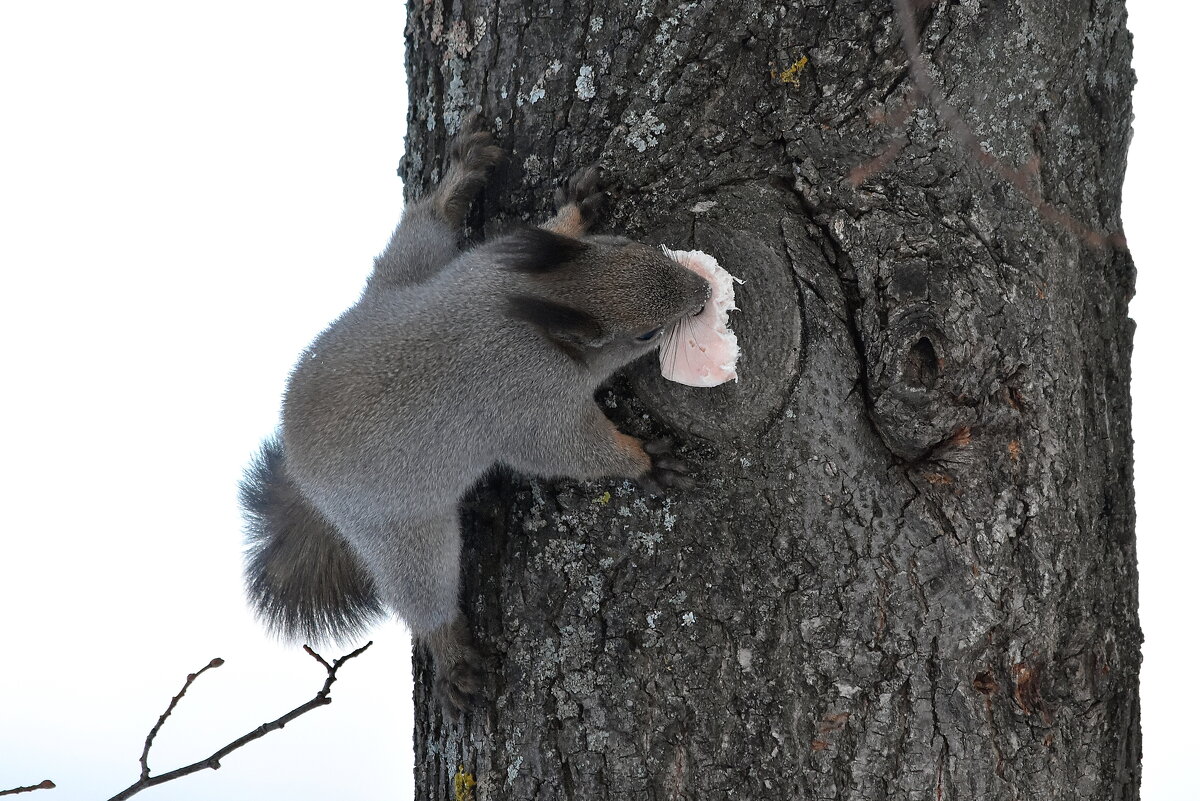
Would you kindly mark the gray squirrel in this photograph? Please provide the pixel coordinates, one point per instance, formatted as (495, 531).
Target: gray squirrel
(449, 364)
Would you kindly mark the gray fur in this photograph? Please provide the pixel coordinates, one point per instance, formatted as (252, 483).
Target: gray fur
(429, 381)
(333, 597)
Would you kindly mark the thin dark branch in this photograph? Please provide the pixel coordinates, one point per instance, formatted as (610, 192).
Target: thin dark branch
(215, 663)
(44, 785)
(214, 760)
(1020, 179)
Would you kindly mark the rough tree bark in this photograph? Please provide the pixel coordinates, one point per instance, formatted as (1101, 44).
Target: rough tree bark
(908, 569)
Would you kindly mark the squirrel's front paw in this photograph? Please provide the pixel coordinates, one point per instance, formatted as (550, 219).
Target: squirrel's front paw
(458, 684)
(585, 192)
(665, 470)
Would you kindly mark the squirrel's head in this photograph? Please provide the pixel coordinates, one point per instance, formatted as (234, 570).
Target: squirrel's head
(603, 300)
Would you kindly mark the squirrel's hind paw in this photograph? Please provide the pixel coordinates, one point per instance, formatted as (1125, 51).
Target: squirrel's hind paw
(458, 685)
(474, 147)
(473, 153)
(665, 470)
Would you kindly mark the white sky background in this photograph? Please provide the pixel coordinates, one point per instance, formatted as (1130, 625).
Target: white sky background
(188, 193)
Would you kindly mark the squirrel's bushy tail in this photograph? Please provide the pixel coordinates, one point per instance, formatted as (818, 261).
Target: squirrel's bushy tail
(302, 578)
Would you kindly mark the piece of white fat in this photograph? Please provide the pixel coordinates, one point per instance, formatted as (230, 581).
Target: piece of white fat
(701, 351)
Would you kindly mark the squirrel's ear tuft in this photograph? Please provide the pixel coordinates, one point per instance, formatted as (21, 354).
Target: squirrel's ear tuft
(535, 251)
(564, 325)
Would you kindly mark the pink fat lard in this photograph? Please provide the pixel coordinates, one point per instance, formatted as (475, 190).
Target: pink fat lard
(700, 350)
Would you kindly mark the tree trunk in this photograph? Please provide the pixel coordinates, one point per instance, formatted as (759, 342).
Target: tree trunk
(908, 569)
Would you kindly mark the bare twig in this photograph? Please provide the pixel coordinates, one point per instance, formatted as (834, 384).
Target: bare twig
(44, 785)
(214, 761)
(320, 658)
(215, 663)
(1020, 178)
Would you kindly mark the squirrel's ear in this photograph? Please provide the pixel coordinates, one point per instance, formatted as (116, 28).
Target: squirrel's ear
(536, 251)
(564, 325)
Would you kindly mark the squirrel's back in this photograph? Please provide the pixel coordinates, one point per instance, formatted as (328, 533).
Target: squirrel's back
(424, 384)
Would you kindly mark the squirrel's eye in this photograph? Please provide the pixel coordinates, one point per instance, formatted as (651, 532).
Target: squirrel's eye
(649, 335)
